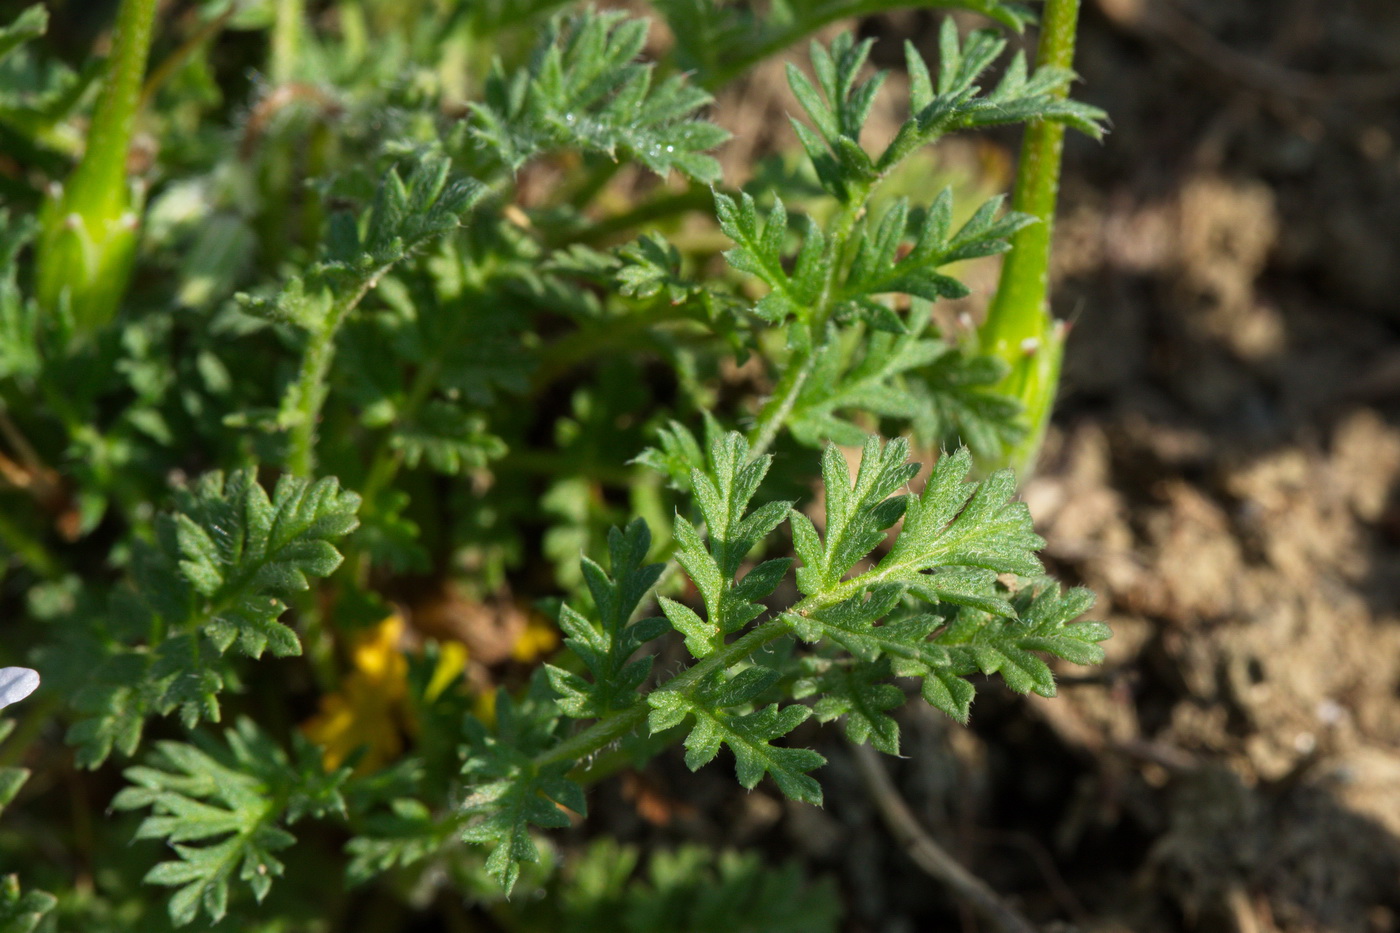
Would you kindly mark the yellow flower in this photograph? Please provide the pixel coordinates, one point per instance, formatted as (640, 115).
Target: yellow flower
(369, 709)
(539, 638)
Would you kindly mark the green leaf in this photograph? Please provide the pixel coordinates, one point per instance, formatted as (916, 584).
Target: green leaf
(31, 23)
(650, 267)
(954, 523)
(20, 913)
(245, 553)
(759, 250)
(228, 801)
(607, 646)
(878, 268)
(448, 438)
(693, 889)
(406, 214)
(857, 692)
(723, 492)
(509, 792)
(218, 574)
(720, 40)
(1045, 624)
(857, 514)
(955, 102)
(940, 391)
(406, 835)
(955, 537)
(678, 454)
(584, 90)
(748, 734)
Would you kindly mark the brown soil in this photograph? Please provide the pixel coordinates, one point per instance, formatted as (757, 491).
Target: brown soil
(1223, 473)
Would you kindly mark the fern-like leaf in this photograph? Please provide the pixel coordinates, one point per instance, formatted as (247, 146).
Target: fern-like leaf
(406, 213)
(221, 811)
(584, 90)
(510, 792)
(760, 245)
(723, 493)
(606, 648)
(245, 553)
(749, 735)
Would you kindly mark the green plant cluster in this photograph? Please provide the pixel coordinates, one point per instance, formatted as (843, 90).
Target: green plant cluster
(448, 296)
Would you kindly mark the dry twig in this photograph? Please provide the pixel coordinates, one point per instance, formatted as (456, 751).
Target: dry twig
(928, 854)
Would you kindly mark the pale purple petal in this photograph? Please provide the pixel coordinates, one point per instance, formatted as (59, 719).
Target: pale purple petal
(16, 683)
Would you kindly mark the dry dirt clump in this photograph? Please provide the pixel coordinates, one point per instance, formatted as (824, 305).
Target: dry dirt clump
(1226, 478)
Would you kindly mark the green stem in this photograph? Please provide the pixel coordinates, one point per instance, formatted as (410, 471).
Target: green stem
(100, 179)
(776, 410)
(311, 388)
(780, 404)
(1019, 329)
(87, 241)
(287, 32)
(311, 392)
(611, 728)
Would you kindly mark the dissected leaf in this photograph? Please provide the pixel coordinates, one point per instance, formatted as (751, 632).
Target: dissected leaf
(585, 90)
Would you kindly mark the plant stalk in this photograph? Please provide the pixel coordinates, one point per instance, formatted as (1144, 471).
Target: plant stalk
(613, 727)
(311, 388)
(1020, 329)
(87, 239)
(287, 31)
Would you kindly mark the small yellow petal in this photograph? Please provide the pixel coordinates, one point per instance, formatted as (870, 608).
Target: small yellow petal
(365, 711)
(540, 637)
(452, 661)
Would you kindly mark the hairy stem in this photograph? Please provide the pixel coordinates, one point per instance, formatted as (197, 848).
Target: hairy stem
(100, 179)
(287, 31)
(87, 240)
(611, 728)
(776, 410)
(311, 386)
(1019, 329)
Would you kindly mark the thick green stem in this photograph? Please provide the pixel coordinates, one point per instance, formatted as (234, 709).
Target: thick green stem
(88, 233)
(100, 178)
(287, 32)
(1019, 328)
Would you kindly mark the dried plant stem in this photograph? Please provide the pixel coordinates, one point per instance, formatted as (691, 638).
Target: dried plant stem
(927, 853)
